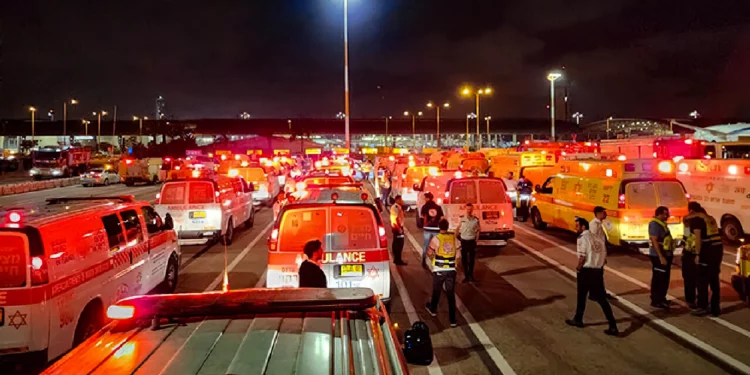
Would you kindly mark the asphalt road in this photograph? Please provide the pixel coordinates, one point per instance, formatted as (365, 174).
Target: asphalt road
(512, 320)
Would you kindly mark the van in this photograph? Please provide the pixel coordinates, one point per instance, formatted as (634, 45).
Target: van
(491, 205)
(404, 184)
(264, 188)
(534, 166)
(629, 190)
(207, 209)
(353, 235)
(64, 263)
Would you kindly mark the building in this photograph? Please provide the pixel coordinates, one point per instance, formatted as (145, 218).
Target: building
(161, 107)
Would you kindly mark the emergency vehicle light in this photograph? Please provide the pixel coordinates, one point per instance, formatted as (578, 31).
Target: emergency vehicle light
(15, 217)
(622, 158)
(237, 157)
(334, 197)
(609, 172)
(197, 173)
(167, 159)
(621, 201)
(234, 172)
(36, 263)
(732, 169)
(458, 174)
(118, 312)
(684, 167)
(364, 196)
(274, 234)
(688, 141)
(128, 161)
(665, 167)
(383, 238)
(223, 157)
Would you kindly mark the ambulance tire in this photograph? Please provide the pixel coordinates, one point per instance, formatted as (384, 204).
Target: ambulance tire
(251, 220)
(731, 230)
(536, 219)
(171, 276)
(91, 321)
(226, 239)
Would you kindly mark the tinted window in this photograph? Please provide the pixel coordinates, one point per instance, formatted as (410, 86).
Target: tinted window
(114, 231)
(353, 228)
(492, 192)
(153, 220)
(201, 192)
(173, 193)
(671, 194)
(463, 192)
(641, 195)
(132, 225)
(300, 226)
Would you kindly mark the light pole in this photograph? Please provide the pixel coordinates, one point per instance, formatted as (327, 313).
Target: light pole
(65, 116)
(33, 114)
(413, 126)
(99, 125)
(437, 111)
(86, 123)
(346, 74)
(289, 122)
(487, 121)
(385, 141)
(140, 125)
(467, 91)
(468, 117)
(552, 77)
(578, 116)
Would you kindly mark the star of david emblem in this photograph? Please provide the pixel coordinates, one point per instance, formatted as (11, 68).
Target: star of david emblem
(710, 187)
(21, 320)
(577, 187)
(373, 273)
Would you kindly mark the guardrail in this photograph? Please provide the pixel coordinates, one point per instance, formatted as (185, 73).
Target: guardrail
(25, 187)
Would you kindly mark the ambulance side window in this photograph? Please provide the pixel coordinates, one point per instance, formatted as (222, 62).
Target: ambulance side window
(547, 187)
(132, 225)
(153, 220)
(114, 231)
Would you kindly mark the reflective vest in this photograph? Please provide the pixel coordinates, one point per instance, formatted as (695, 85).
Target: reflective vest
(445, 255)
(743, 261)
(712, 238)
(667, 243)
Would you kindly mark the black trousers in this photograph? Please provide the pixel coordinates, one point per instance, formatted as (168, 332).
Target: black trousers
(591, 280)
(709, 267)
(689, 276)
(398, 245)
(447, 278)
(468, 256)
(660, 276)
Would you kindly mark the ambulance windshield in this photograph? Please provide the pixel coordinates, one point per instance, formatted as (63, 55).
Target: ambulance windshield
(463, 192)
(173, 193)
(300, 226)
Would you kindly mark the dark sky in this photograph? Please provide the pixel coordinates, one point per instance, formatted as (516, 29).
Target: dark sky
(279, 58)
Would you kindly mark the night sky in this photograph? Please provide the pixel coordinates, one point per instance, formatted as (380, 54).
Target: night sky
(277, 58)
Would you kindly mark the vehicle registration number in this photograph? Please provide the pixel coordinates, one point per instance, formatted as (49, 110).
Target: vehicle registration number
(486, 215)
(2, 316)
(197, 214)
(351, 270)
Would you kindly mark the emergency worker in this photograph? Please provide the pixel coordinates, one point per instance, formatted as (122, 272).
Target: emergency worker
(310, 274)
(661, 250)
(707, 251)
(599, 227)
(431, 215)
(468, 234)
(443, 254)
(385, 186)
(397, 227)
(278, 202)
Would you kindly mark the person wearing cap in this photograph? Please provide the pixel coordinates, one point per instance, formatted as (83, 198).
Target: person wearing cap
(591, 258)
(431, 215)
(468, 234)
(661, 253)
(310, 274)
(702, 257)
(397, 227)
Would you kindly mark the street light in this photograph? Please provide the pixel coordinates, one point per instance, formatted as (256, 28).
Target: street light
(86, 123)
(385, 140)
(140, 125)
(578, 116)
(346, 74)
(487, 120)
(467, 91)
(468, 117)
(695, 114)
(65, 116)
(99, 125)
(552, 77)
(437, 111)
(413, 126)
(33, 114)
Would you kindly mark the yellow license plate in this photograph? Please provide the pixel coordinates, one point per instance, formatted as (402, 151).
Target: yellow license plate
(198, 215)
(352, 270)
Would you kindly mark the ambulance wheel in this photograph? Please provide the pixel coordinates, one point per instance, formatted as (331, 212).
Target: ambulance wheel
(536, 219)
(106, 182)
(91, 320)
(251, 220)
(732, 231)
(226, 239)
(169, 285)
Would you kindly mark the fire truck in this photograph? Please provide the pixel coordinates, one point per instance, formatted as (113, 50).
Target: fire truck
(56, 162)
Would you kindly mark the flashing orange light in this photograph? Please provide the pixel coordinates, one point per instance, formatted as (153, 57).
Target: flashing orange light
(196, 174)
(237, 157)
(458, 174)
(118, 312)
(234, 173)
(318, 164)
(622, 158)
(391, 158)
(412, 163)
(223, 157)
(732, 169)
(609, 173)
(665, 166)
(433, 171)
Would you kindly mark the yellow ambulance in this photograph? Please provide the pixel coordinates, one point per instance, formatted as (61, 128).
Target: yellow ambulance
(535, 166)
(630, 191)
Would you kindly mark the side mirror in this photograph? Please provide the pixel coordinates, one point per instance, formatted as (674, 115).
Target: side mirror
(168, 222)
(418, 344)
(417, 187)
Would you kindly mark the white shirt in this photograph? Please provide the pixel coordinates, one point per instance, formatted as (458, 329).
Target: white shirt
(595, 227)
(469, 227)
(592, 249)
(511, 185)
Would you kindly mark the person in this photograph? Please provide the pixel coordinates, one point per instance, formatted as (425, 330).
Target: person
(690, 258)
(705, 240)
(431, 215)
(443, 253)
(468, 234)
(310, 274)
(385, 186)
(599, 227)
(278, 202)
(510, 183)
(592, 255)
(660, 251)
(397, 227)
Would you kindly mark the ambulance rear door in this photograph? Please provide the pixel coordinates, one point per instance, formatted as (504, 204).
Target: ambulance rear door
(23, 326)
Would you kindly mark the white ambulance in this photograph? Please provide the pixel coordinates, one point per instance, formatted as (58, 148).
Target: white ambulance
(491, 205)
(722, 187)
(348, 224)
(62, 265)
(206, 209)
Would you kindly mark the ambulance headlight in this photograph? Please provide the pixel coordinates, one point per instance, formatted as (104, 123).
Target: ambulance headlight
(56, 172)
(34, 171)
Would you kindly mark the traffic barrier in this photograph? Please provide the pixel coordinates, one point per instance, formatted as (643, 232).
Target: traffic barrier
(25, 187)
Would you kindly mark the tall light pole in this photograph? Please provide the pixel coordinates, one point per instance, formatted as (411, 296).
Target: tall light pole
(65, 116)
(346, 74)
(552, 77)
(487, 121)
(99, 125)
(33, 115)
(413, 126)
(578, 116)
(467, 91)
(86, 123)
(140, 125)
(385, 141)
(695, 114)
(437, 111)
(468, 117)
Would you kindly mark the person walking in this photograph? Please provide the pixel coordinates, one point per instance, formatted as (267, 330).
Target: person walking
(385, 187)
(707, 255)
(431, 215)
(468, 234)
(397, 227)
(591, 258)
(310, 274)
(599, 227)
(443, 253)
(661, 253)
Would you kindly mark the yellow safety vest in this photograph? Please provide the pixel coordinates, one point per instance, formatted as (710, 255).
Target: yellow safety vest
(667, 244)
(713, 236)
(445, 255)
(743, 261)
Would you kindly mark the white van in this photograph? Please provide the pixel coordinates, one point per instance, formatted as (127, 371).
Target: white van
(491, 205)
(62, 266)
(207, 209)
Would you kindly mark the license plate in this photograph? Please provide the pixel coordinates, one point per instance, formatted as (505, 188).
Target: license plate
(197, 214)
(490, 215)
(351, 270)
(2, 316)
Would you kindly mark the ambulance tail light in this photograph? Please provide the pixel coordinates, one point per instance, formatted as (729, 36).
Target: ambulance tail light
(118, 312)
(747, 170)
(14, 219)
(39, 273)
(128, 161)
(665, 167)
(273, 241)
(364, 196)
(654, 154)
(621, 201)
(687, 195)
(688, 141)
(383, 238)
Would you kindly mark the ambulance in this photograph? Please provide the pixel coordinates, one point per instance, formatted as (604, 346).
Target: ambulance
(403, 184)
(722, 187)
(535, 166)
(265, 187)
(352, 231)
(206, 207)
(630, 191)
(434, 183)
(63, 264)
(491, 205)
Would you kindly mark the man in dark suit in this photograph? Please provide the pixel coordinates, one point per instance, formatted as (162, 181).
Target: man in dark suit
(310, 274)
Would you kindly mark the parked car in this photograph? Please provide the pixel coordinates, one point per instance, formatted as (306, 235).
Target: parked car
(100, 176)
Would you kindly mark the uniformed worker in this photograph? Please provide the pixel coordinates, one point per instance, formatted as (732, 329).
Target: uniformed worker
(707, 251)
(660, 251)
(468, 234)
(310, 274)
(443, 254)
(397, 227)
(431, 215)
(278, 202)
(592, 255)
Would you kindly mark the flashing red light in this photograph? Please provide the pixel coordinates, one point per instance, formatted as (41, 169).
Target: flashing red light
(364, 196)
(687, 195)
(118, 312)
(167, 159)
(39, 274)
(688, 141)
(335, 197)
(621, 201)
(128, 161)
(15, 217)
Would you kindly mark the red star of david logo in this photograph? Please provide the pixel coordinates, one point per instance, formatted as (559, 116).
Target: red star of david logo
(373, 273)
(21, 320)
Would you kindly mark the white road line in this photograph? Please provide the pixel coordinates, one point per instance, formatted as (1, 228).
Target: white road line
(262, 280)
(716, 353)
(481, 335)
(238, 258)
(641, 284)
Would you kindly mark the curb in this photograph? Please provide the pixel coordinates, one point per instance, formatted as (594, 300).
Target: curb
(25, 187)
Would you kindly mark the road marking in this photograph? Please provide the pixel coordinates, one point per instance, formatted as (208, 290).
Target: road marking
(237, 259)
(262, 280)
(480, 334)
(716, 353)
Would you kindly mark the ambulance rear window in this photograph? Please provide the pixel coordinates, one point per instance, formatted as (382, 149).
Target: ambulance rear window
(12, 260)
(173, 193)
(353, 228)
(492, 192)
(201, 192)
(300, 226)
(463, 192)
(641, 195)
(671, 194)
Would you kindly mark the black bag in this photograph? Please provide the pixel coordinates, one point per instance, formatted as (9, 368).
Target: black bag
(418, 344)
